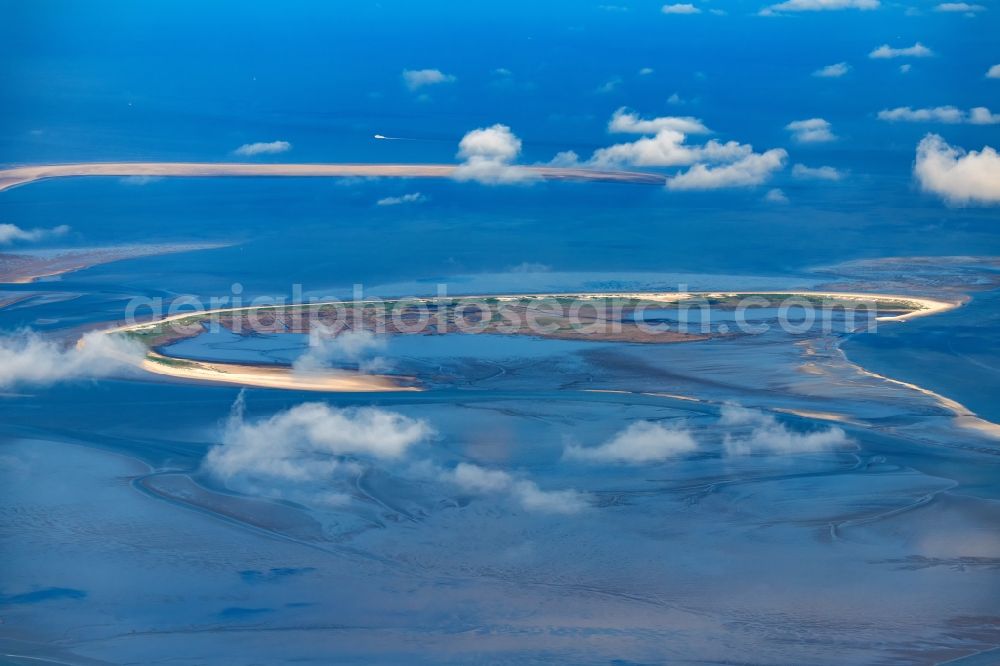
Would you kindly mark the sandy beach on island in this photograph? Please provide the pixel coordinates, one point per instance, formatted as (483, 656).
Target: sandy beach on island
(349, 381)
(26, 174)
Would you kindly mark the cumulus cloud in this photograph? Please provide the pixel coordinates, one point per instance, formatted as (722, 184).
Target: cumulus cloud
(640, 442)
(413, 197)
(963, 7)
(765, 434)
(833, 71)
(941, 114)
(960, 178)
(680, 8)
(776, 195)
(533, 498)
(667, 148)
(263, 148)
(312, 452)
(308, 443)
(713, 164)
(918, 50)
(478, 480)
(487, 154)
(419, 78)
(11, 233)
(29, 359)
(813, 130)
(624, 121)
(803, 172)
(328, 347)
(818, 6)
(979, 115)
(530, 267)
(565, 158)
(753, 169)
(609, 86)
(993, 72)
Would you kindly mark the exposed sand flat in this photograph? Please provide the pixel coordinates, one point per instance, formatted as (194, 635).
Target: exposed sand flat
(964, 417)
(26, 174)
(271, 377)
(27, 267)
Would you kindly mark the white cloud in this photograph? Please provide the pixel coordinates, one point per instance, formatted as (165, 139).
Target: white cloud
(10, 233)
(801, 171)
(833, 71)
(767, 435)
(413, 197)
(624, 121)
(328, 347)
(667, 148)
(775, 195)
(494, 143)
(680, 8)
(418, 78)
(905, 68)
(960, 178)
(263, 148)
(941, 114)
(813, 130)
(979, 115)
(533, 498)
(993, 72)
(918, 50)
(713, 164)
(609, 86)
(642, 441)
(530, 267)
(818, 5)
(308, 442)
(475, 479)
(753, 169)
(646, 71)
(959, 7)
(565, 158)
(487, 154)
(27, 358)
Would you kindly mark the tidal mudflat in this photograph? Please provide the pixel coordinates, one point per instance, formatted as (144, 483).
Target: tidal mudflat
(791, 493)
(432, 332)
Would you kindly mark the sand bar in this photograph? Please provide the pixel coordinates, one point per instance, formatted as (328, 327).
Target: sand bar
(26, 174)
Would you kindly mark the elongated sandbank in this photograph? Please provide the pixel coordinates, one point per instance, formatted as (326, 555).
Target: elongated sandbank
(344, 380)
(334, 381)
(26, 174)
(27, 267)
